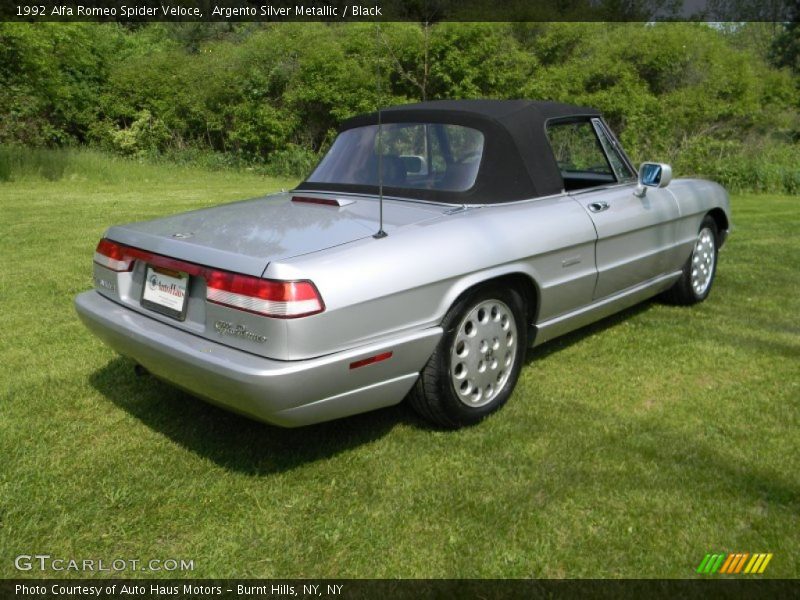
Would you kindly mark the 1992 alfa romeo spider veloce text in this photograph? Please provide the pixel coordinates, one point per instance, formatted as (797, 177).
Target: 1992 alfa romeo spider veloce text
(429, 248)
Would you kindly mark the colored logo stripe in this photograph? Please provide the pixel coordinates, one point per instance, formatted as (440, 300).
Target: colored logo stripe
(734, 563)
(758, 563)
(711, 563)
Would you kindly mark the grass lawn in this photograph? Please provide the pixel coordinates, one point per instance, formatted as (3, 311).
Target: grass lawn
(630, 448)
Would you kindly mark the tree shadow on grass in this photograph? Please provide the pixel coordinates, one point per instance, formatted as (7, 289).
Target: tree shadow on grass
(757, 343)
(233, 441)
(694, 459)
(710, 469)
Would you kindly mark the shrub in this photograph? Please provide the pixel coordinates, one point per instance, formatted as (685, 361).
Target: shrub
(293, 161)
(268, 96)
(740, 166)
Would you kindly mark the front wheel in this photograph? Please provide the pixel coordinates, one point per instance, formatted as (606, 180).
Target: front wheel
(698, 273)
(477, 363)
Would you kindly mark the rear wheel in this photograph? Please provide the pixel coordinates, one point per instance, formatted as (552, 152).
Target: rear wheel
(698, 273)
(476, 365)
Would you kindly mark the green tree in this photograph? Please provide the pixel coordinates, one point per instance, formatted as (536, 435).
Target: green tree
(785, 49)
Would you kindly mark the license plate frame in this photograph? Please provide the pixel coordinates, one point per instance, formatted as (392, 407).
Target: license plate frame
(158, 298)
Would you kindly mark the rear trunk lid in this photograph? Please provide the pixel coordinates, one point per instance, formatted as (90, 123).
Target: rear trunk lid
(243, 238)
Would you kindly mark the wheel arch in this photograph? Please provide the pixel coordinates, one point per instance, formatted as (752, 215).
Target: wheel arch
(520, 281)
(723, 225)
(434, 395)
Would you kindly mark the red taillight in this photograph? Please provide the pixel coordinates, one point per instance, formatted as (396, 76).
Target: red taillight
(267, 297)
(112, 256)
(283, 299)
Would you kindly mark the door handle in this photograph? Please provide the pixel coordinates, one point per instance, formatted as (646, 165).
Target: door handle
(597, 207)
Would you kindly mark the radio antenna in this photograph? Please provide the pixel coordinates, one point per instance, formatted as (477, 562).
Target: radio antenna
(381, 233)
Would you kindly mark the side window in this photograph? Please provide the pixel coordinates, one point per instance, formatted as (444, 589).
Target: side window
(621, 168)
(579, 155)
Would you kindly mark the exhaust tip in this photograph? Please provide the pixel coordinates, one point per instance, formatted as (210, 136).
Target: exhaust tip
(140, 371)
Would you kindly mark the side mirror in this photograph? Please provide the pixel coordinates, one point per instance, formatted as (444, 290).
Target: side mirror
(657, 175)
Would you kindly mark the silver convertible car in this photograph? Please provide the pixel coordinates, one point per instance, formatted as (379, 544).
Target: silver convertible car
(428, 249)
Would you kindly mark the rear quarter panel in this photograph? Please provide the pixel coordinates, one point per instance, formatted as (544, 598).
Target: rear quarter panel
(374, 288)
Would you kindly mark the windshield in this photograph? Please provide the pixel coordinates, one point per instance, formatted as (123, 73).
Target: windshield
(433, 156)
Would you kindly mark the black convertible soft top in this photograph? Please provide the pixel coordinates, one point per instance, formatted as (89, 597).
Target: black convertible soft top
(517, 161)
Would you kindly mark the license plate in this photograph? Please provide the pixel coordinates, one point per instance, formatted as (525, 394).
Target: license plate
(165, 291)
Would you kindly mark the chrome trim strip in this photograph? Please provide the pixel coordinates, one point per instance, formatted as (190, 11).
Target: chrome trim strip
(552, 328)
(430, 202)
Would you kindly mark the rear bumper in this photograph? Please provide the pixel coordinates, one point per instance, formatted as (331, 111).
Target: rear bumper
(286, 393)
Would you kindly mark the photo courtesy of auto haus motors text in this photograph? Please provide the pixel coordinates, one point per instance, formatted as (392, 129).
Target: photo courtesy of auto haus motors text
(132, 589)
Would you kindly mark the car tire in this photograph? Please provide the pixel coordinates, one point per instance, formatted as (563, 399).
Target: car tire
(698, 273)
(476, 364)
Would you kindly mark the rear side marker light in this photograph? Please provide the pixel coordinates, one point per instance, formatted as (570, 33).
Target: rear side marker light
(371, 360)
(266, 297)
